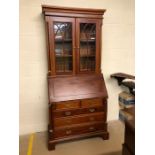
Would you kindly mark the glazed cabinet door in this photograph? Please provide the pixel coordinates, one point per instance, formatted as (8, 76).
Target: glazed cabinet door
(88, 40)
(61, 37)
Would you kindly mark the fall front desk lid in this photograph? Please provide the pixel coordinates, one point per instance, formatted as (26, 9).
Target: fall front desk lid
(76, 87)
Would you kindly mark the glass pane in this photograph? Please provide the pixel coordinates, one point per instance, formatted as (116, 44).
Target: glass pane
(87, 46)
(63, 46)
(63, 64)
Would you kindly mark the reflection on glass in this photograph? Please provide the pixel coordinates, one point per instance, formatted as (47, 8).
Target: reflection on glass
(63, 46)
(87, 46)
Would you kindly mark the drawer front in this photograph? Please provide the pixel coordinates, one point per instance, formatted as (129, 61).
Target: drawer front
(64, 132)
(85, 118)
(67, 105)
(91, 102)
(72, 112)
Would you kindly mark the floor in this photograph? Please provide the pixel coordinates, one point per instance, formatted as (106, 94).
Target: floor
(91, 146)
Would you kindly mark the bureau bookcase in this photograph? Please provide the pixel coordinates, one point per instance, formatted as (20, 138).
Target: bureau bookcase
(76, 88)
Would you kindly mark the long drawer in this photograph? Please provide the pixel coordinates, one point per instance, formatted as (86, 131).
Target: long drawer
(71, 112)
(84, 118)
(79, 129)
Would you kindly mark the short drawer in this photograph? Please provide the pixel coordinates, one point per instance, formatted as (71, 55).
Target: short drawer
(77, 130)
(91, 102)
(67, 105)
(72, 112)
(84, 118)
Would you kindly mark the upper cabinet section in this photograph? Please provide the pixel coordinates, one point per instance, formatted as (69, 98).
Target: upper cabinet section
(63, 47)
(88, 42)
(73, 40)
(60, 32)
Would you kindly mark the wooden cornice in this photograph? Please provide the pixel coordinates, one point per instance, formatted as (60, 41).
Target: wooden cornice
(53, 10)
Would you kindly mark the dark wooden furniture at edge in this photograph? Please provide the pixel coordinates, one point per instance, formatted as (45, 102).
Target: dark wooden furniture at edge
(76, 88)
(129, 138)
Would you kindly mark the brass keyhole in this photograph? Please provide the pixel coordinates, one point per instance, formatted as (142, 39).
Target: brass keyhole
(92, 110)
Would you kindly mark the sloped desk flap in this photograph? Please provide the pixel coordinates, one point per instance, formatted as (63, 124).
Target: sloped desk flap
(76, 87)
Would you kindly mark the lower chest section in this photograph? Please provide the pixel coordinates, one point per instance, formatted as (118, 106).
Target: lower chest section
(78, 117)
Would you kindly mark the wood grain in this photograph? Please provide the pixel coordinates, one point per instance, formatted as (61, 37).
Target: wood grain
(77, 98)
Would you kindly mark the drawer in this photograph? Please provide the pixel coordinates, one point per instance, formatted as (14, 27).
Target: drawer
(91, 102)
(72, 112)
(67, 105)
(84, 118)
(76, 130)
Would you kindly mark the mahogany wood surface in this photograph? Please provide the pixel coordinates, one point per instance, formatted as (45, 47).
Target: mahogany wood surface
(103, 134)
(91, 102)
(67, 105)
(77, 98)
(76, 87)
(64, 121)
(67, 11)
(61, 14)
(129, 142)
(78, 111)
(79, 129)
(129, 136)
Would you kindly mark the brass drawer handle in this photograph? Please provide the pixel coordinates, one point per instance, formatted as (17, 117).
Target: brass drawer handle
(91, 128)
(92, 110)
(51, 131)
(68, 132)
(67, 113)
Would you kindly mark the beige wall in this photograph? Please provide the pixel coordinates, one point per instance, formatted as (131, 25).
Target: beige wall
(117, 55)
